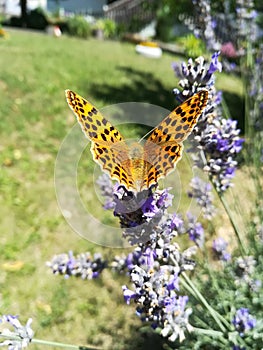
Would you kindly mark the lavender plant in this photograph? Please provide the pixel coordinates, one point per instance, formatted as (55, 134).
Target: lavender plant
(205, 24)
(180, 309)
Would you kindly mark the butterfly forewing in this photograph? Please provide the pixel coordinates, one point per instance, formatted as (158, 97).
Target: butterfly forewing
(178, 125)
(94, 125)
(108, 147)
(164, 148)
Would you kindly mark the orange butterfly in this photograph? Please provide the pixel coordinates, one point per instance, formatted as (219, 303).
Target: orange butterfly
(138, 167)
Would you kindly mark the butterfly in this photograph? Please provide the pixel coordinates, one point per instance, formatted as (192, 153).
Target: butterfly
(137, 167)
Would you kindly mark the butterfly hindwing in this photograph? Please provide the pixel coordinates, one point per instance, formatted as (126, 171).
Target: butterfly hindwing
(161, 160)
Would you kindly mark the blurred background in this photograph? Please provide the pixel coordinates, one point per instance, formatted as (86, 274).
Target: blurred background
(109, 52)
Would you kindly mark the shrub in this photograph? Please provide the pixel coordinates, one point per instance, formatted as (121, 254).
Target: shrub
(193, 46)
(78, 26)
(36, 19)
(109, 28)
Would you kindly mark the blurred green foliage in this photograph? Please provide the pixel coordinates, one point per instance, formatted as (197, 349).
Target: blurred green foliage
(78, 26)
(193, 47)
(35, 19)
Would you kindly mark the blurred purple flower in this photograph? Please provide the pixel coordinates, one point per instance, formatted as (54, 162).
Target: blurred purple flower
(204, 24)
(202, 192)
(246, 21)
(219, 247)
(107, 191)
(215, 65)
(195, 231)
(243, 321)
(83, 265)
(24, 333)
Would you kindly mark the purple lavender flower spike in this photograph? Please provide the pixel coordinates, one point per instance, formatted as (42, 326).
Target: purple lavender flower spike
(243, 321)
(128, 294)
(219, 247)
(107, 191)
(215, 64)
(24, 333)
(217, 138)
(244, 269)
(177, 223)
(195, 231)
(202, 192)
(157, 300)
(246, 21)
(83, 265)
(205, 24)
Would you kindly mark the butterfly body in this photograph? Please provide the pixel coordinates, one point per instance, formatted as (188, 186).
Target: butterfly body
(137, 166)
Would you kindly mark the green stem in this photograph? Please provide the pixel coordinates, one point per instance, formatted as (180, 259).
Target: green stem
(13, 336)
(210, 332)
(235, 228)
(226, 209)
(50, 343)
(65, 346)
(225, 108)
(189, 285)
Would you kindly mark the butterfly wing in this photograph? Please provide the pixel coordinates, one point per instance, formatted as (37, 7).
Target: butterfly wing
(108, 147)
(163, 149)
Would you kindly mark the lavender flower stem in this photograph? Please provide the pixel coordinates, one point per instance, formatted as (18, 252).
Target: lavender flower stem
(213, 279)
(212, 333)
(187, 283)
(225, 108)
(235, 228)
(222, 200)
(65, 346)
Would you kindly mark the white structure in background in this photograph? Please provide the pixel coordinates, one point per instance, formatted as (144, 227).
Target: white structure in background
(84, 7)
(148, 51)
(12, 7)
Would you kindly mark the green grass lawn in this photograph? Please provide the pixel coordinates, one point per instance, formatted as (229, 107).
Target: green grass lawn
(35, 71)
